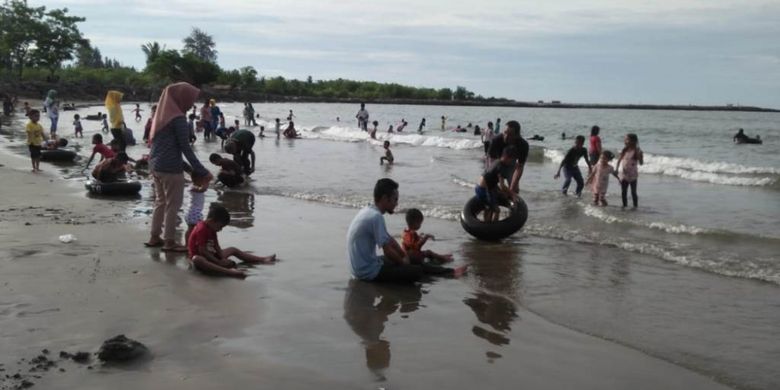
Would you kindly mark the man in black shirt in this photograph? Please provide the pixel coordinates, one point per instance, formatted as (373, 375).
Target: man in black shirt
(570, 168)
(510, 137)
(240, 146)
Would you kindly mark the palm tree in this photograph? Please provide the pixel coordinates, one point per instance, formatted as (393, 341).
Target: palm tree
(152, 51)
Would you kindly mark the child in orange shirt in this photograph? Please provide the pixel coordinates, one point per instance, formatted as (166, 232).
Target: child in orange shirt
(413, 242)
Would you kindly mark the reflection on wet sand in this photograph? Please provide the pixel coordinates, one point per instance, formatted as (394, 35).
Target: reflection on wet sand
(241, 206)
(497, 269)
(367, 317)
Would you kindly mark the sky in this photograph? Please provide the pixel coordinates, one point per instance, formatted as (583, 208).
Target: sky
(709, 52)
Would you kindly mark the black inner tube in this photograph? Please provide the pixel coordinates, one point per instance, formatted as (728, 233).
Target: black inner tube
(493, 231)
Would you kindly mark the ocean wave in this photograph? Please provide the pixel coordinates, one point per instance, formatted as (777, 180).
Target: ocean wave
(350, 134)
(696, 170)
(722, 264)
(601, 214)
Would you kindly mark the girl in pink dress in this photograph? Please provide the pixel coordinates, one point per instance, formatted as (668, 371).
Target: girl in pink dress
(599, 178)
(631, 157)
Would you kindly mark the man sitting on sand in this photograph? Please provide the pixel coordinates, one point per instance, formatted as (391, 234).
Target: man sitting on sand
(205, 253)
(368, 231)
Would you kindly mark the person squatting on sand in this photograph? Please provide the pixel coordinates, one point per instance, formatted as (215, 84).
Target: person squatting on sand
(205, 253)
(368, 231)
(99, 148)
(170, 139)
(570, 167)
(230, 173)
(631, 157)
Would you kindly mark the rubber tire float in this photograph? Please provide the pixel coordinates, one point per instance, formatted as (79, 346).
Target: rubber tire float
(58, 155)
(113, 189)
(493, 231)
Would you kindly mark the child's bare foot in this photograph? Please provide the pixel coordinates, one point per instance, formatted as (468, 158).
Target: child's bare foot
(460, 271)
(270, 259)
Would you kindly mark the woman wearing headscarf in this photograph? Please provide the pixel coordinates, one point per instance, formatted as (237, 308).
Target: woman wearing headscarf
(170, 140)
(52, 110)
(116, 119)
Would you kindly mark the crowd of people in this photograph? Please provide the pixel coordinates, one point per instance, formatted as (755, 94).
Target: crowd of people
(173, 126)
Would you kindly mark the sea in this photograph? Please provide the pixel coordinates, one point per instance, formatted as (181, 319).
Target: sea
(691, 276)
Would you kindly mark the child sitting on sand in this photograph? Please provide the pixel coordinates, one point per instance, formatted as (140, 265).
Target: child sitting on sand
(230, 173)
(412, 241)
(35, 137)
(205, 253)
(77, 126)
(599, 178)
(492, 183)
(110, 169)
(388, 154)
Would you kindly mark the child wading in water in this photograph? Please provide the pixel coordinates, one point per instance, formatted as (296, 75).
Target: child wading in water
(137, 110)
(492, 182)
(388, 154)
(630, 156)
(599, 178)
(413, 242)
(205, 253)
(570, 168)
(35, 137)
(77, 126)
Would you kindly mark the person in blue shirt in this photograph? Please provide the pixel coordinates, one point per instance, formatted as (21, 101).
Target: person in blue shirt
(368, 231)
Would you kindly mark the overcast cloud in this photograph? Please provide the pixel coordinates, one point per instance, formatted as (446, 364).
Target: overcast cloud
(679, 52)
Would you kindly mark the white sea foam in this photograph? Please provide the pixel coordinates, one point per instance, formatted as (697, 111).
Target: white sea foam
(604, 216)
(696, 170)
(350, 134)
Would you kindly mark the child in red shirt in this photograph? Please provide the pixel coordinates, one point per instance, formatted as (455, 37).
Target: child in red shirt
(205, 253)
(413, 242)
(100, 148)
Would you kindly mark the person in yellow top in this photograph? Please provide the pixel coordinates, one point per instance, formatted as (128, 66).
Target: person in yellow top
(35, 137)
(116, 119)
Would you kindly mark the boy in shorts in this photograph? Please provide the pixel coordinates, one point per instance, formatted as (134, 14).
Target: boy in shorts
(205, 253)
(493, 182)
(35, 137)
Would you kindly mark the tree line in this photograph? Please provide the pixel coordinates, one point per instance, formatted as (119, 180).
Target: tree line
(37, 44)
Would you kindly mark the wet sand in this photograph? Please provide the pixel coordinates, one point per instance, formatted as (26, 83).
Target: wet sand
(300, 323)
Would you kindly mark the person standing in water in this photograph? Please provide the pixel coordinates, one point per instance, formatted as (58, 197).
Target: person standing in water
(443, 122)
(595, 145)
(52, 107)
(362, 117)
(631, 157)
(422, 126)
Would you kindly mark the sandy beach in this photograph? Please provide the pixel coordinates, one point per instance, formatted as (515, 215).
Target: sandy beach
(298, 324)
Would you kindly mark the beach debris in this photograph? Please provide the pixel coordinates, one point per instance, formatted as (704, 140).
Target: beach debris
(67, 238)
(121, 349)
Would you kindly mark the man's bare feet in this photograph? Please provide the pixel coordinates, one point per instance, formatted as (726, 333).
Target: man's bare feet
(460, 271)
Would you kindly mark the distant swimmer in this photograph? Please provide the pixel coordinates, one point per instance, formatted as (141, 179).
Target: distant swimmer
(422, 126)
(741, 138)
(537, 137)
(402, 125)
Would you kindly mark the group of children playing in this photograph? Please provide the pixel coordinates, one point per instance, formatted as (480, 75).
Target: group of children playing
(600, 169)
